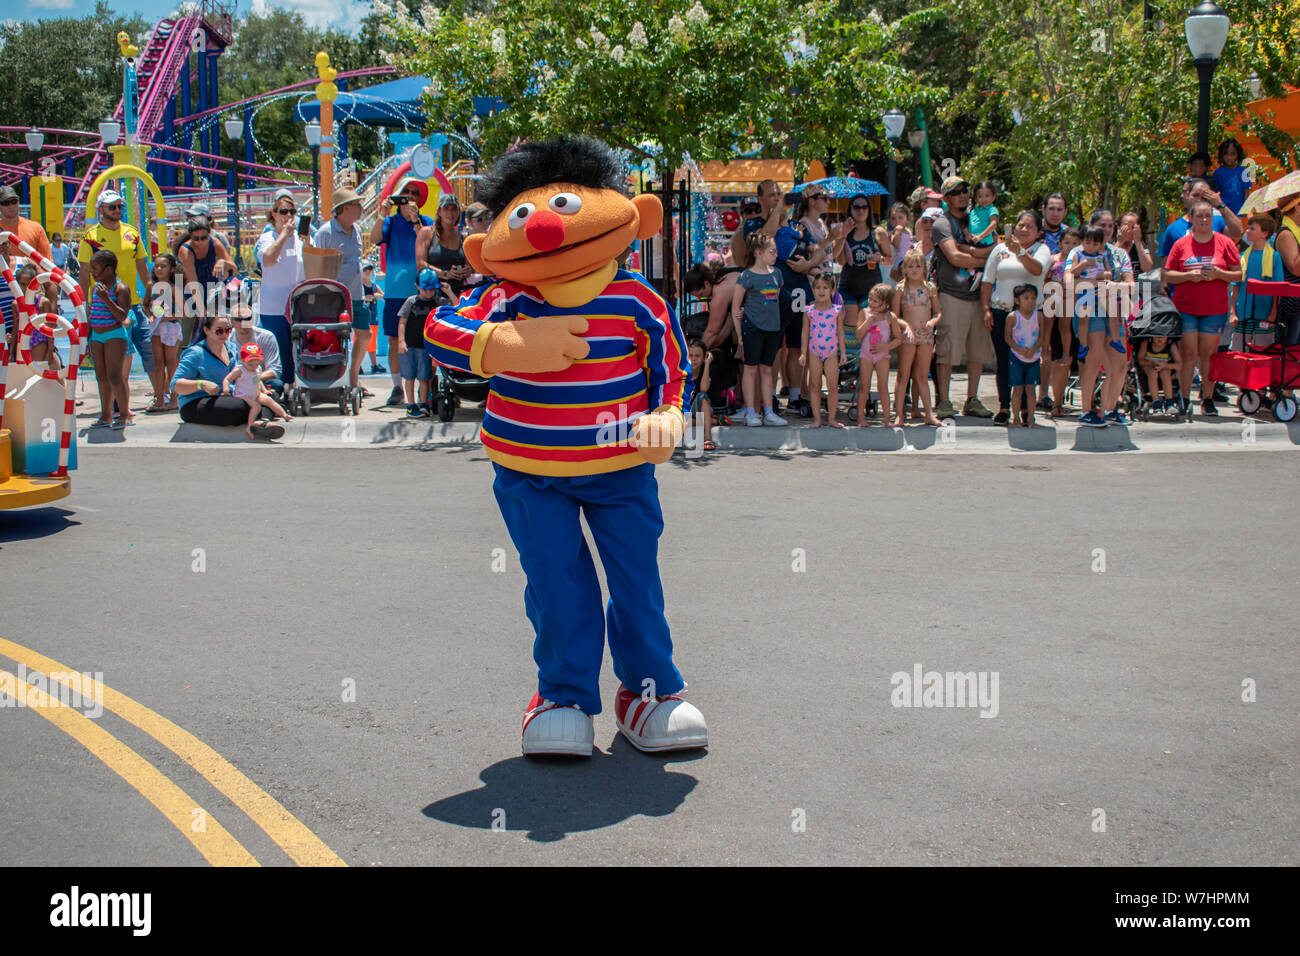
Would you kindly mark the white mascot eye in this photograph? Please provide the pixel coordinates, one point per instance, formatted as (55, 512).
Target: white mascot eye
(566, 204)
(520, 215)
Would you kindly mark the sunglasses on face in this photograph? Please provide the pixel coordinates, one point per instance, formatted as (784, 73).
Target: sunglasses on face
(818, 197)
(959, 192)
(115, 207)
(223, 329)
(9, 202)
(859, 207)
(285, 212)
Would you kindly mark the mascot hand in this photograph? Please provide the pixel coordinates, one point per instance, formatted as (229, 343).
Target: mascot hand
(656, 435)
(546, 344)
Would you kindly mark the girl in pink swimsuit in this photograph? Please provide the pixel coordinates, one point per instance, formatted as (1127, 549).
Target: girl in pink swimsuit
(879, 333)
(916, 302)
(823, 348)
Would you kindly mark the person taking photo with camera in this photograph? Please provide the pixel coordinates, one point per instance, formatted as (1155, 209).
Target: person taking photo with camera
(405, 234)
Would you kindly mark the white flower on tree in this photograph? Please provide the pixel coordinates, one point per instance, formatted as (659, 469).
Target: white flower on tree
(697, 13)
(636, 39)
(499, 41)
(618, 53)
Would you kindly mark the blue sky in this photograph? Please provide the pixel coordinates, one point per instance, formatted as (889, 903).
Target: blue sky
(341, 14)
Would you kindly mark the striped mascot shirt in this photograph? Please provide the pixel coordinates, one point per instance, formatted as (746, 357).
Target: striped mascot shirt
(574, 422)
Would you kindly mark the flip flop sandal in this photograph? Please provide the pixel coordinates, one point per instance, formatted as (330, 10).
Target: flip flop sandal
(154, 408)
(101, 424)
(366, 393)
(709, 446)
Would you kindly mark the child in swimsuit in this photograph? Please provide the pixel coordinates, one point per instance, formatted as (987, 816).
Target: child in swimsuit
(879, 333)
(916, 302)
(165, 339)
(110, 305)
(42, 346)
(823, 348)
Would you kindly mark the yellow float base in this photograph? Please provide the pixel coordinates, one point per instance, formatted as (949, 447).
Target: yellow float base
(20, 491)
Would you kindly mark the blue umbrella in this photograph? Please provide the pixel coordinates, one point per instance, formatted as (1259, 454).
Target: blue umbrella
(842, 187)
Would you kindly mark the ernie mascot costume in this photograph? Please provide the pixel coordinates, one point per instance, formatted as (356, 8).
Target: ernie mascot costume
(588, 367)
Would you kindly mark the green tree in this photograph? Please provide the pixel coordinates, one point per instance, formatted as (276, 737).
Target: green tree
(662, 79)
(64, 72)
(1100, 95)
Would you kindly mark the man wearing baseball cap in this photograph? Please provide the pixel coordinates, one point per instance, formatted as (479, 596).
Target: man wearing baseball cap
(343, 233)
(404, 234)
(961, 337)
(923, 198)
(29, 232)
(132, 254)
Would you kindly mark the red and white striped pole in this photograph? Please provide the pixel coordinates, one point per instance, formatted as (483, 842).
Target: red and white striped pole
(78, 333)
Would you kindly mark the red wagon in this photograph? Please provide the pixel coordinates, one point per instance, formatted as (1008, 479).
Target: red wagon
(1271, 370)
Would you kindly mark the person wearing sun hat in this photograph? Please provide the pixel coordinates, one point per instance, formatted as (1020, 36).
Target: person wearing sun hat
(404, 233)
(961, 337)
(342, 233)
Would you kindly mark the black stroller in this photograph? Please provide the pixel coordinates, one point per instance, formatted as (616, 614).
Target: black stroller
(1155, 317)
(320, 326)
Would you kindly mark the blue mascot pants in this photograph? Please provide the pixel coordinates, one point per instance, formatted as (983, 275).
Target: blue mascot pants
(563, 597)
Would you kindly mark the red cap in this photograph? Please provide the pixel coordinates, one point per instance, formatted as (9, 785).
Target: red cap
(250, 351)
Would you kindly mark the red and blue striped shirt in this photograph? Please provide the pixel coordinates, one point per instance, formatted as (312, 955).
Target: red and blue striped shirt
(574, 422)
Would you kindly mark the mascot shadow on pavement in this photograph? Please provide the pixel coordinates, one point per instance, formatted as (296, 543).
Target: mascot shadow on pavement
(588, 373)
(550, 800)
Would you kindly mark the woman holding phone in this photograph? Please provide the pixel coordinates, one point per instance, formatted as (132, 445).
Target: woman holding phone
(1200, 267)
(279, 250)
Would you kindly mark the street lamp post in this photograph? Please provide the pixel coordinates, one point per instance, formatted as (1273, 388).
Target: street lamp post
(35, 143)
(893, 121)
(1207, 30)
(916, 139)
(313, 140)
(235, 132)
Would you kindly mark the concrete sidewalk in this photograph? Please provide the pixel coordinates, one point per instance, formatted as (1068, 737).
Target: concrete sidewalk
(378, 426)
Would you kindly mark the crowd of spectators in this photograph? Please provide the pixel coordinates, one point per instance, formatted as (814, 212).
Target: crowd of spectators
(1087, 277)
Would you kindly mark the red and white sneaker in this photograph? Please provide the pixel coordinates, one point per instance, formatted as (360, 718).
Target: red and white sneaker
(552, 730)
(664, 723)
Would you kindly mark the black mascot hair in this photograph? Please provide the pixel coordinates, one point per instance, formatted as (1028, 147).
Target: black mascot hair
(580, 160)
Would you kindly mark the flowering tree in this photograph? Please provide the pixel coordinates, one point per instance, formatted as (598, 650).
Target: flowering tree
(661, 78)
(1092, 100)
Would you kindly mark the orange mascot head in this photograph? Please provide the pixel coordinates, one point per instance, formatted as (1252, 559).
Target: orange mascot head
(561, 219)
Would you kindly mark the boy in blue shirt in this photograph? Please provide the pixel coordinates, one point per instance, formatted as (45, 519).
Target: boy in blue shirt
(1252, 314)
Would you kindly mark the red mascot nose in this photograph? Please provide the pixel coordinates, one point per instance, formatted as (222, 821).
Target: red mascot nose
(545, 230)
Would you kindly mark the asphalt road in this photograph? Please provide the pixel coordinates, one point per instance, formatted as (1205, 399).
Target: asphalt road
(1118, 690)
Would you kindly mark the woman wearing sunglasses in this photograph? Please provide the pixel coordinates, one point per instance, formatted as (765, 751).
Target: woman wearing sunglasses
(279, 250)
(203, 367)
(204, 260)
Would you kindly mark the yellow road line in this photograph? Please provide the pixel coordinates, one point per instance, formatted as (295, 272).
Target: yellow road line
(216, 844)
(292, 836)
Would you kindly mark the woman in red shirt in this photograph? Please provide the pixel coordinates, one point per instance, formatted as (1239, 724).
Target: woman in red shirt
(1199, 268)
